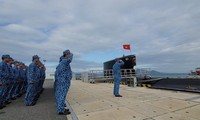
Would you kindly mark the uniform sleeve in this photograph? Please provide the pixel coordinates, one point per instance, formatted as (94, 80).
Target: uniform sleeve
(44, 74)
(121, 63)
(3, 73)
(32, 74)
(14, 73)
(20, 74)
(67, 61)
(11, 73)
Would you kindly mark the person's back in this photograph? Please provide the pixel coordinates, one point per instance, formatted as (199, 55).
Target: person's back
(11, 73)
(4, 78)
(4, 72)
(16, 72)
(117, 68)
(31, 73)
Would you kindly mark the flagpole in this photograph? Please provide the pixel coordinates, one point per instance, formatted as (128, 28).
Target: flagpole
(123, 52)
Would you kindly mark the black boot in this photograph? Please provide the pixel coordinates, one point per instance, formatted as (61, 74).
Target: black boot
(64, 113)
(8, 102)
(14, 98)
(67, 110)
(118, 96)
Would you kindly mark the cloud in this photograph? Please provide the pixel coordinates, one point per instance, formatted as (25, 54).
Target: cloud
(164, 34)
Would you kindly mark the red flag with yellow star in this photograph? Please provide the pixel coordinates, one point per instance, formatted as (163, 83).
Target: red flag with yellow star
(127, 47)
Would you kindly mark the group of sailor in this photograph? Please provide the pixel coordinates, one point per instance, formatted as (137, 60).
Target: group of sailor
(17, 79)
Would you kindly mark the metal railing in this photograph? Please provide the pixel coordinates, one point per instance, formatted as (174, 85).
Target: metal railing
(104, 75)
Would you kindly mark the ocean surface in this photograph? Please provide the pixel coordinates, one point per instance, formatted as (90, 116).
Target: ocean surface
(173, 75)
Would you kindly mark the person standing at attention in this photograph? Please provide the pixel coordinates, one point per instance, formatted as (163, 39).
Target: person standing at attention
(62, 83)
(117, 76)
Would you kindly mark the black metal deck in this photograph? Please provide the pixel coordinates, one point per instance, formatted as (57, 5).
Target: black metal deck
(178, 84)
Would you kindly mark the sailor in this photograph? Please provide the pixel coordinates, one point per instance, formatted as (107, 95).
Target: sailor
(16, 71)
(56, 73)
(20, 82)
(4, 76)
(32, 82)
(63, 79)
(39, 80)
(11, 81)
(26, 79)
(117, 76)
(22, 78)
(43, 75)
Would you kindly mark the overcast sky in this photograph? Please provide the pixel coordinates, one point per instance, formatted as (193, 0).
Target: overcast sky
(164, 34)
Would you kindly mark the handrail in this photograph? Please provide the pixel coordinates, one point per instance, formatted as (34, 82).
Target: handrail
(108, 74)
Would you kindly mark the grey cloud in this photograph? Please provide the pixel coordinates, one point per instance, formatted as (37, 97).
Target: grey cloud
(164, 34)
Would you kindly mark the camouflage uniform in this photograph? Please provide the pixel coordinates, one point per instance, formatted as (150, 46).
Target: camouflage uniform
(16, 72)
(63, 79)
(117, 76)
(32, 82)
(11, 83)
(23, 79)
(4, 77)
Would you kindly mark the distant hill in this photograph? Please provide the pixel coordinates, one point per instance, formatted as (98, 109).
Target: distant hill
(161, 74)
(155, 73)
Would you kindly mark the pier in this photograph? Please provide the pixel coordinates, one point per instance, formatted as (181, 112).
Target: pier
(96, 102)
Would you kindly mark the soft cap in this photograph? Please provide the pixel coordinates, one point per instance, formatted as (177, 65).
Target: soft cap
(36, 57)
(66, 52)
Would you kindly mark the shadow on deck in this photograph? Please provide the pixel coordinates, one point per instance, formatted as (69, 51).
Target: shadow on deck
(45, 109)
